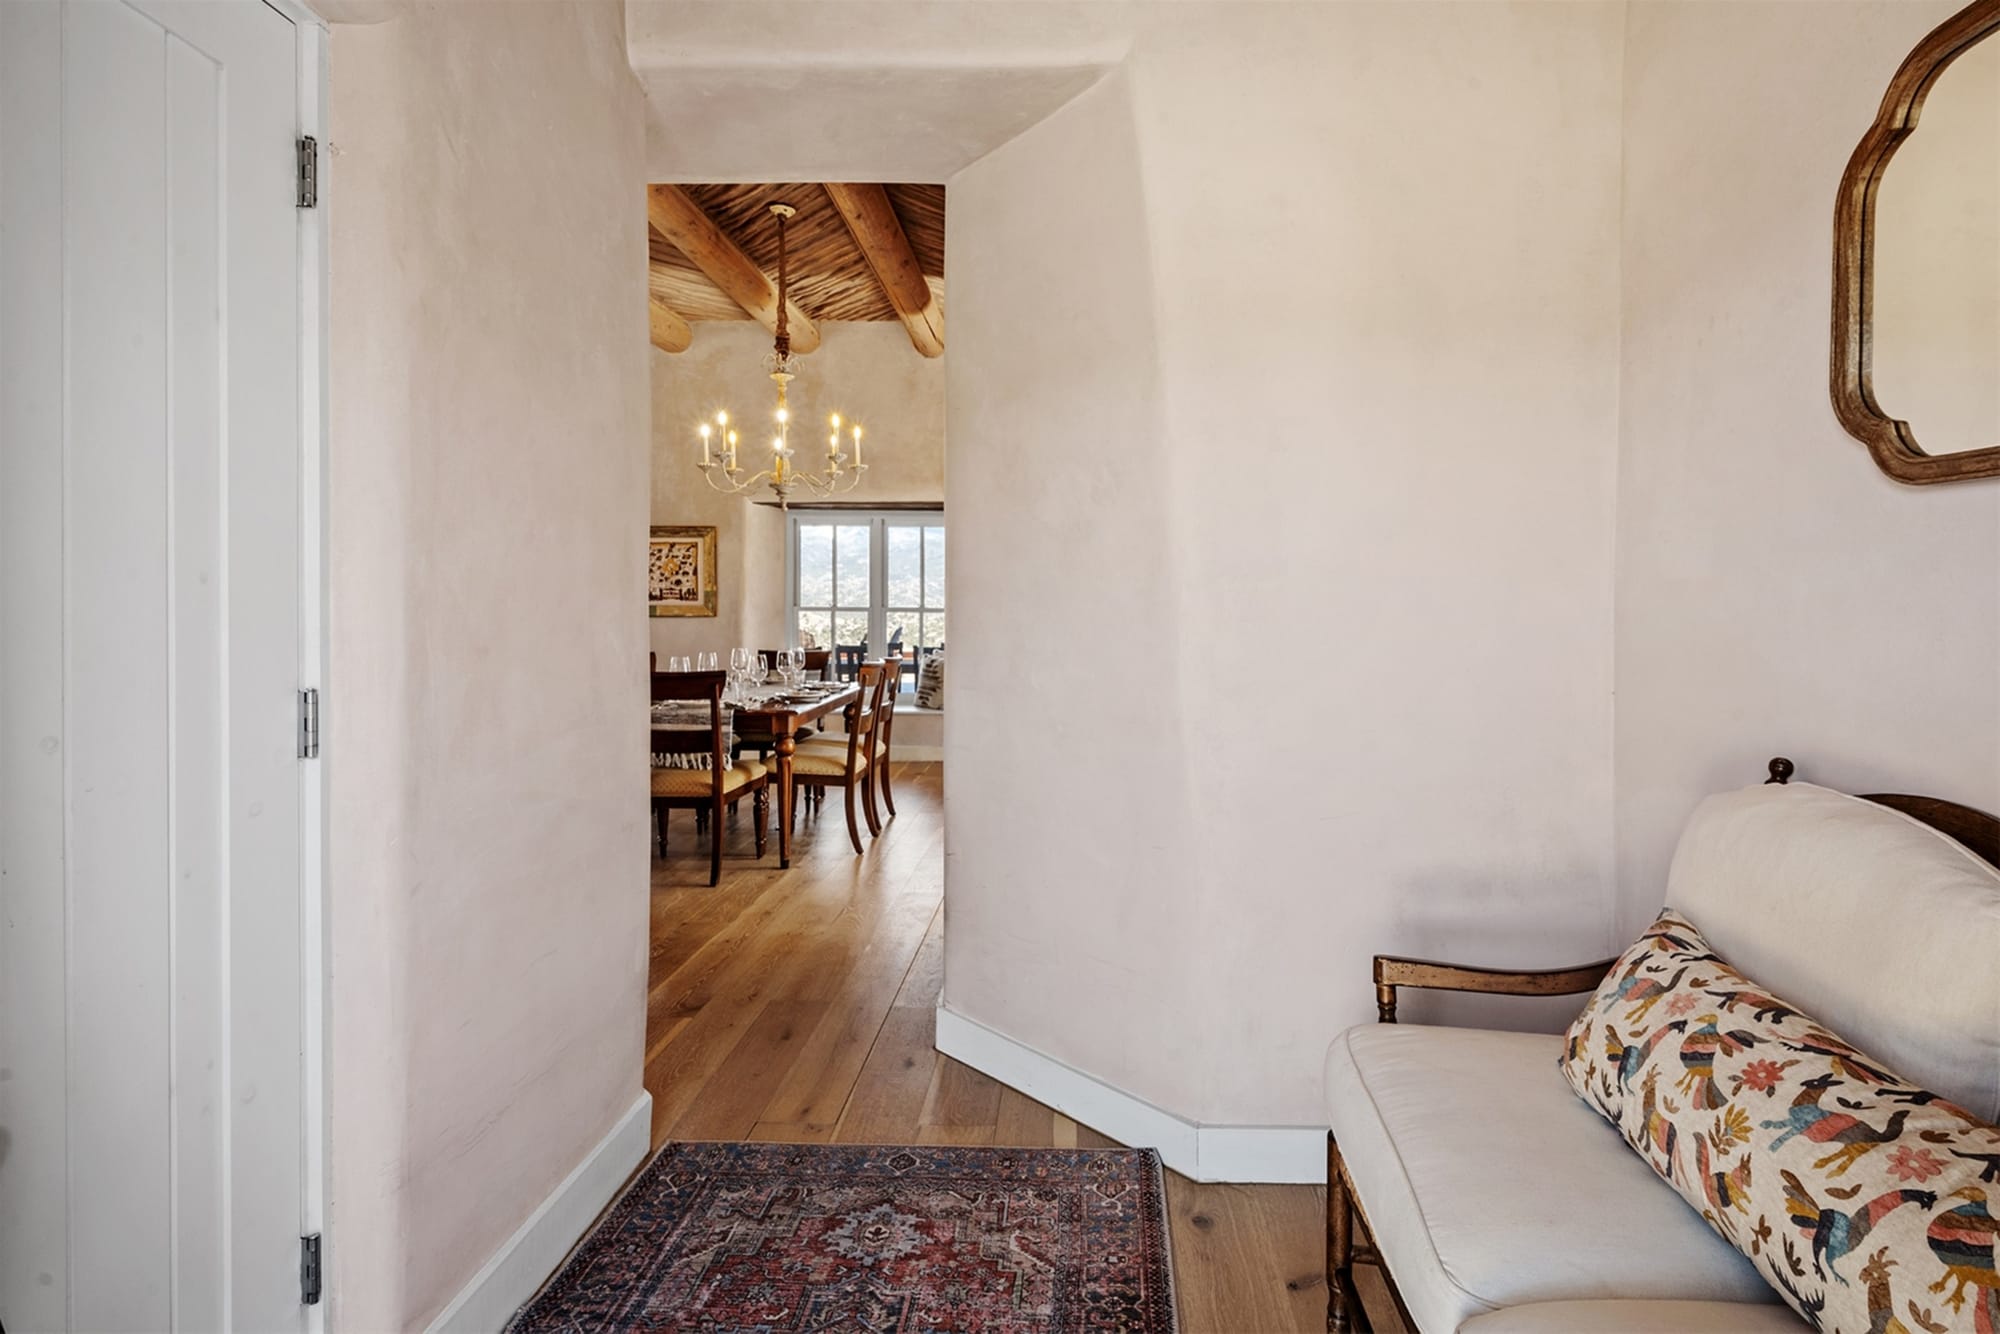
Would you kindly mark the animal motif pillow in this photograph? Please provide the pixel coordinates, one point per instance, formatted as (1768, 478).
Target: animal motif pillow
(1867, 1202)
(930, 682)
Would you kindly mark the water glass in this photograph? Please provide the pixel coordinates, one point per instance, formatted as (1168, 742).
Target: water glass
(798, 658)
(708, 662)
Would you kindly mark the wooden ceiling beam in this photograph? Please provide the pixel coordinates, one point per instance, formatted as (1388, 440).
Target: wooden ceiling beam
(670, 332)
(681, 221)
(871, 220)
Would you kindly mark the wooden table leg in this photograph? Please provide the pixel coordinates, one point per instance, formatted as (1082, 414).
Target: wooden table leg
(786, 745)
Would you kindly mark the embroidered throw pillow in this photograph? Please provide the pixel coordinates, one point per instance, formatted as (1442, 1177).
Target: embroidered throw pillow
(1868, 1203)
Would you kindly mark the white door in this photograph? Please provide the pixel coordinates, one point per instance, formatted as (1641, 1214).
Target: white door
(151, 1116)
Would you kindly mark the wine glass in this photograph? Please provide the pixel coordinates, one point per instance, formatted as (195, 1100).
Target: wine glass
(797, 657)
(708, 662)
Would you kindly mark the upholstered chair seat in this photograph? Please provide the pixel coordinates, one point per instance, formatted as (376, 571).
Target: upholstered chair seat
(701, 782)
(826, 761)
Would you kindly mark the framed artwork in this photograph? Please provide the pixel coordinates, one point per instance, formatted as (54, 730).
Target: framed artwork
(680, 571)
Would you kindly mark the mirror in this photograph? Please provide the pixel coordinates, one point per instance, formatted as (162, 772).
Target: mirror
(1916, 351)
(1936, 334)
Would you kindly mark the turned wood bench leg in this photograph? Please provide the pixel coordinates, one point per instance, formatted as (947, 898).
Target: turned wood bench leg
(1344, 1312)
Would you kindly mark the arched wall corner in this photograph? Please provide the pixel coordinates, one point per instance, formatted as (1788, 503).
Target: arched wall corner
(1071, 843)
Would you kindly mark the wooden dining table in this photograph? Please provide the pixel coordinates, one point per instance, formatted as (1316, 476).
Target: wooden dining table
(778, 724)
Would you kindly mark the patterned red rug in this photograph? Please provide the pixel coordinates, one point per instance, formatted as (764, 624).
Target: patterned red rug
(817, 1237)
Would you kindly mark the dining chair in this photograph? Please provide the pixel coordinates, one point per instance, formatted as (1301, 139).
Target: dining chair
(707, 790)
(846, 762)
(885, 730)
(818, 668)
(847, 660)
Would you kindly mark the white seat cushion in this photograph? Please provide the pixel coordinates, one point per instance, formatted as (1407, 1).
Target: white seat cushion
(1488, 1184)
(1637, 1317)
(1876, 925)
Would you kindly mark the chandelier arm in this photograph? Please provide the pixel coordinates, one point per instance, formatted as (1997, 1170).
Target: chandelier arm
(735, 486)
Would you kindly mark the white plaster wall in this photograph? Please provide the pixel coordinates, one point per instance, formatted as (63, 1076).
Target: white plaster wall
(1390, 351)
(1776, 593)
(866, 371)
(1071, 834)
(487, 507)
(1313, 404)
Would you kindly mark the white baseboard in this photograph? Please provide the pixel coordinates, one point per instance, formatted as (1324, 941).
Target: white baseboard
(526, 1259)
(1292, 1154)
(1288, 1154)
(917, 753)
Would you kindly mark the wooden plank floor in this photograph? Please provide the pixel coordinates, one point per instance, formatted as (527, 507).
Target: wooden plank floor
(798, 1006)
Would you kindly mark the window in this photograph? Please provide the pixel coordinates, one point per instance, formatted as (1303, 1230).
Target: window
(867, 580)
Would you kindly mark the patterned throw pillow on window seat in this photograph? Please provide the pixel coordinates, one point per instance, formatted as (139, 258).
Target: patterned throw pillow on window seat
(1867, 1202)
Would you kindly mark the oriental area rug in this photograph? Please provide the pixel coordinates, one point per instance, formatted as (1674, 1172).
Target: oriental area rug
(816, 1237)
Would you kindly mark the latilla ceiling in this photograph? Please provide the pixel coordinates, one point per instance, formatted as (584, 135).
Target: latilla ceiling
(877, 255)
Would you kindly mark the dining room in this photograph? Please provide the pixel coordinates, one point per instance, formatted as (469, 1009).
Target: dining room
(797, 614)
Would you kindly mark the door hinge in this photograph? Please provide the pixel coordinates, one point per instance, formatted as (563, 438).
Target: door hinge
(308, 171)
(309, 1270)
(308, 724)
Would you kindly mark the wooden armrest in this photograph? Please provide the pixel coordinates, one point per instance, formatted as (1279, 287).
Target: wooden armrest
(1392, 972)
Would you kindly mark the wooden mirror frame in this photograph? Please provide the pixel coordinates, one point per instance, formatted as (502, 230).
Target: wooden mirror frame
(1890, 441)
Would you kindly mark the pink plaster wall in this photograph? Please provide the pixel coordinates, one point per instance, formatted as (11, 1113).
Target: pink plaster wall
(488, 464)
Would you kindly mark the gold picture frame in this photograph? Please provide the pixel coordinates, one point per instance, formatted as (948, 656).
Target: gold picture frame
(680, 570)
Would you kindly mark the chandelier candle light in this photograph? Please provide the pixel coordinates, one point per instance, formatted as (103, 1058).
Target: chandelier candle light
(719, 439)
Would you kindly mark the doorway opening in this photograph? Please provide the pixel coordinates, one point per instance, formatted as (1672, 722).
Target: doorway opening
(785, 994)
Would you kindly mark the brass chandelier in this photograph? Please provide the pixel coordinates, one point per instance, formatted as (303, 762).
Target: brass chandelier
(719, 463)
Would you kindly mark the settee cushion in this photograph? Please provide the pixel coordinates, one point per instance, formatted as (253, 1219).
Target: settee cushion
(1637, 1317)
(1875, 924)
(1487, 1184)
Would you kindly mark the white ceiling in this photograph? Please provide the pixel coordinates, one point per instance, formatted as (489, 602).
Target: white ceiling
(856, 90)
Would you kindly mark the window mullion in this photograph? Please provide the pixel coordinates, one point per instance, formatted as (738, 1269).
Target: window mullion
(792, 581)
(878, 588)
